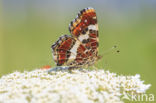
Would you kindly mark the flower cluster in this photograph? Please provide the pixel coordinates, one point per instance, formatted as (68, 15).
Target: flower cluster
(77, 86)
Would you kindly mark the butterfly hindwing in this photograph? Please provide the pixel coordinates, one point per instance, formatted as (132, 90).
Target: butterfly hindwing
(61, 49)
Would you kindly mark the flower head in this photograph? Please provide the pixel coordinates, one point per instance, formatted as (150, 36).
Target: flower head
(83, 86)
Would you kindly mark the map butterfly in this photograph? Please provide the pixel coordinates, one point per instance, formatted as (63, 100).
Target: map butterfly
(81, 47)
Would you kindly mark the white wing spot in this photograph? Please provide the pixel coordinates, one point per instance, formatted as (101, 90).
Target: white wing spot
(93, 27)
(74, 50)
(94, 17)
(82, 37)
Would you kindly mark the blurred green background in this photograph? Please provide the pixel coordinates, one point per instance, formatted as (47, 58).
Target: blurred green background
(28, 28)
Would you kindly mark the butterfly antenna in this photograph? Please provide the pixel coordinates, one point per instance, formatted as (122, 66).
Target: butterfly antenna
(110, 49)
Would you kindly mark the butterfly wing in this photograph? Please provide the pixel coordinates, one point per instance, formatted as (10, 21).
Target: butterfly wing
(61, 49)
(81, 47)
(85, 29)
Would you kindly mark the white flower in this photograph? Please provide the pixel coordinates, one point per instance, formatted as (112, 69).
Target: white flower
(77, 86)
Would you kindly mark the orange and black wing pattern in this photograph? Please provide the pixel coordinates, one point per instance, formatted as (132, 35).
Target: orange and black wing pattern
(85, 29)
(81, 48)
(61, 49)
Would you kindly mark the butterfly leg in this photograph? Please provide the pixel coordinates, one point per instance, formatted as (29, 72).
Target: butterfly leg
(59, 69)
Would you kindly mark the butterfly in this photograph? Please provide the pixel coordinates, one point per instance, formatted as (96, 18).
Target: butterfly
(81, 47)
